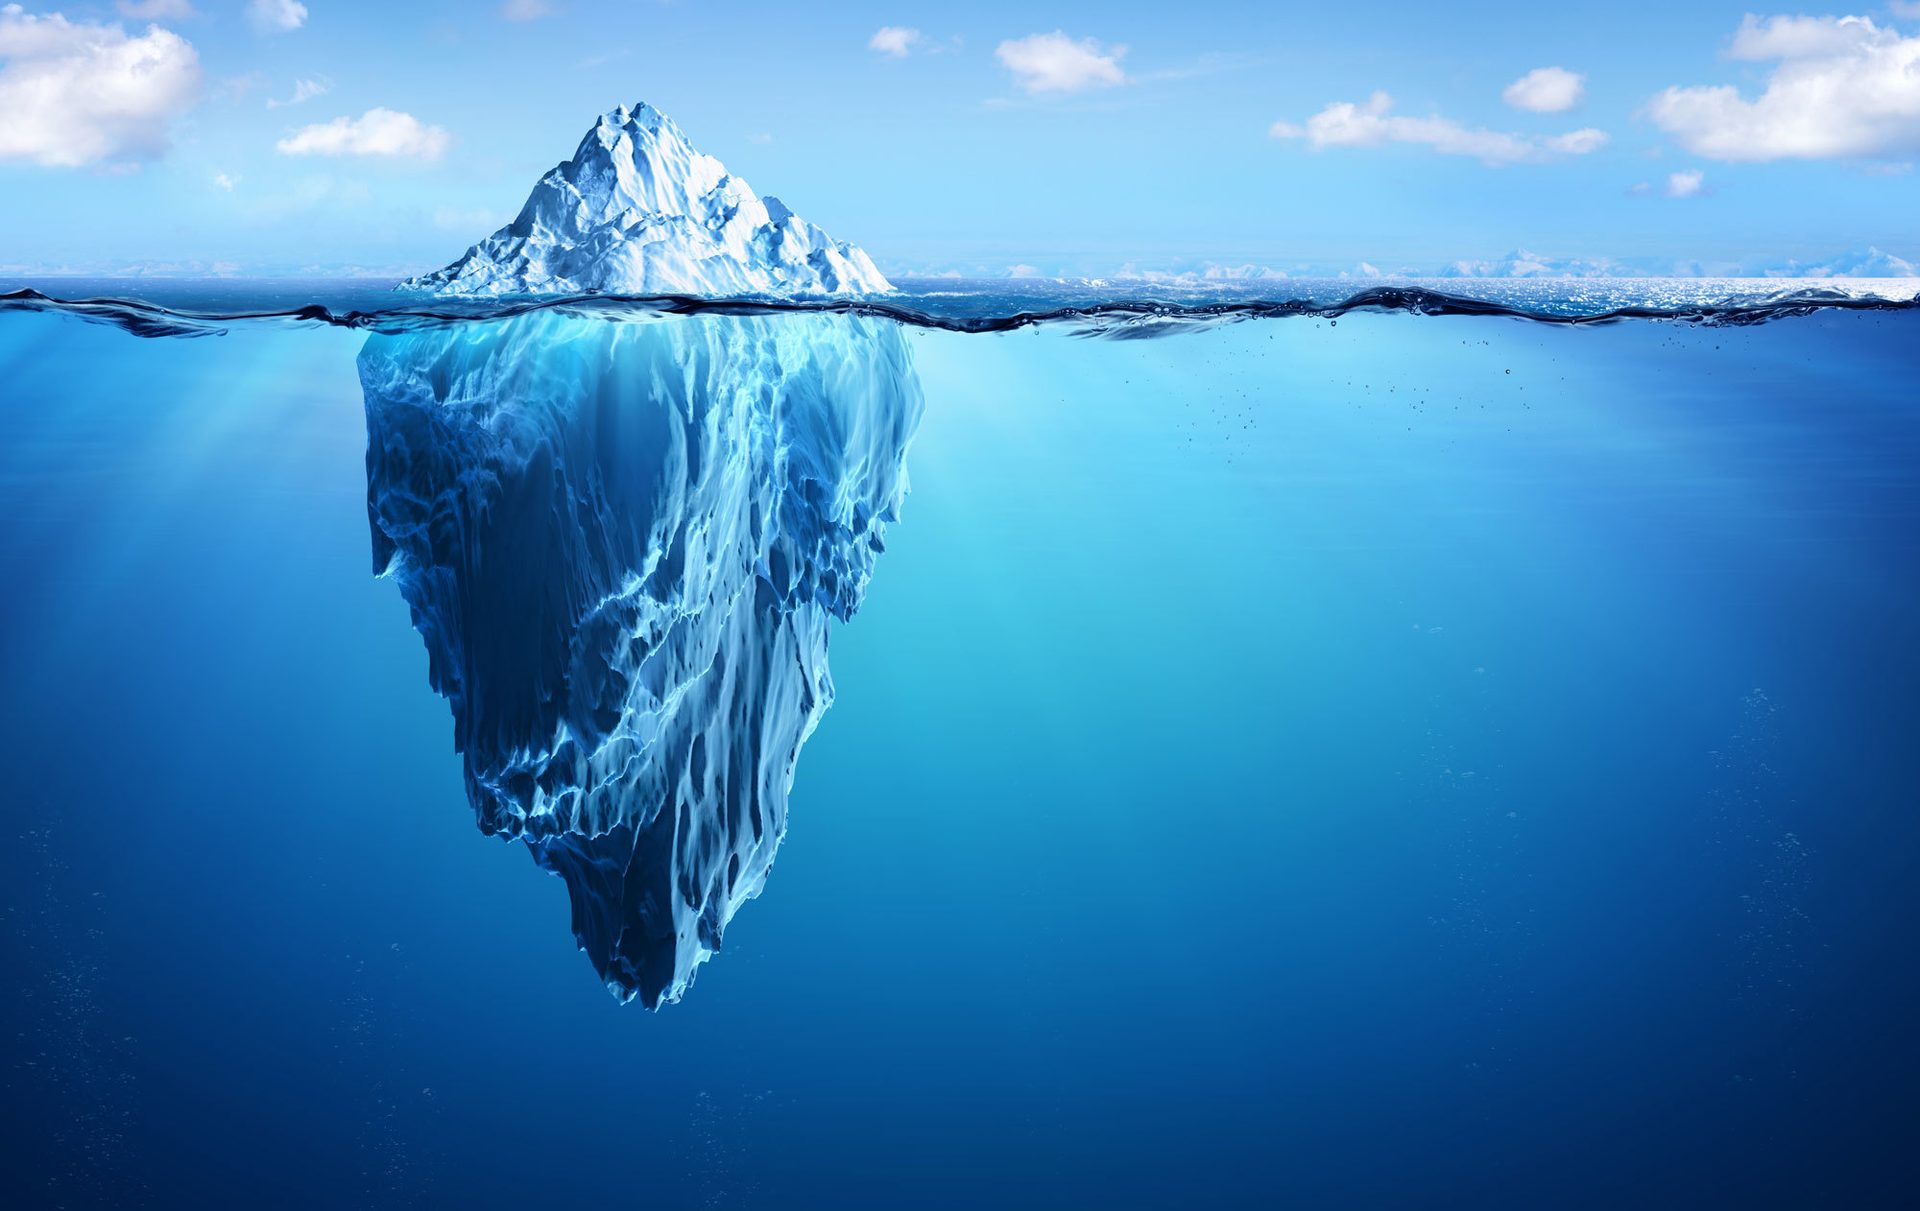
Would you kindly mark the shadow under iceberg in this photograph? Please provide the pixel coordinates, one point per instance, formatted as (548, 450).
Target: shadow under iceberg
(623, 543)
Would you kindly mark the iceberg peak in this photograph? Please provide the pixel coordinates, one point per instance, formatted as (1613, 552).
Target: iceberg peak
(640, 210)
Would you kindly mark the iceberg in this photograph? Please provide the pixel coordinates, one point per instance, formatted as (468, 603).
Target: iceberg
(638, 210)
(624, 542)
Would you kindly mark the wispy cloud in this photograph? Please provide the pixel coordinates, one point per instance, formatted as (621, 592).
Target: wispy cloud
(288, 197)
(1374, 124)
(155, 10)
(454, 219)
(239, 88)
(526, 10)
(1043, 63)
(1686, 184)
(303, 90)
(895, 41)
(276, 16)
(1199, 67)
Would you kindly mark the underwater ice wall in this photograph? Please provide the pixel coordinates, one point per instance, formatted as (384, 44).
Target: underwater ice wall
(623, 544)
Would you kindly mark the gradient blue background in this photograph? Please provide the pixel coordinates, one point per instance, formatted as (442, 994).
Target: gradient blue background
(1424, 761)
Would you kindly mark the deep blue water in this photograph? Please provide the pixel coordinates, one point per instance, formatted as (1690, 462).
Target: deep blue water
(1420, 761)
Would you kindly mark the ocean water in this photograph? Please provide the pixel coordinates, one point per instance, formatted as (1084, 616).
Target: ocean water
(1373, 759)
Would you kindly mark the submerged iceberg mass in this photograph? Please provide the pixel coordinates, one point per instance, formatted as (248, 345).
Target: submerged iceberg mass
(623, 544)
(638, 210)
(623, 539)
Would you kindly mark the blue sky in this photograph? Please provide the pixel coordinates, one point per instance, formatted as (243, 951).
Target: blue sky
(276, 136)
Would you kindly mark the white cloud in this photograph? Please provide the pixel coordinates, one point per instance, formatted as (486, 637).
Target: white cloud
(303, 90)
(1904, 8)
(276, 16)
(1841, 87)
(223, 181)
(1373, 124)
(1582, 142)
(1758, 41)
(1022, 271)
(526, 10)
(79, 93)
(154, 10)
(378, 132)
(1685, 184)
(1546, 90)
(895, 41)
(1053, 62)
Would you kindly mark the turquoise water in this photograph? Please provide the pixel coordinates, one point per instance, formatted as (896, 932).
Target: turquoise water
(1429, 760)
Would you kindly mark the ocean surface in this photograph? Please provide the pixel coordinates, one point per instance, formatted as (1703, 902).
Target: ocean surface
(1428, 753)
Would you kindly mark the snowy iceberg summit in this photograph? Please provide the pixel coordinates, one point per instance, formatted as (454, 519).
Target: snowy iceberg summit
(638, 210)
